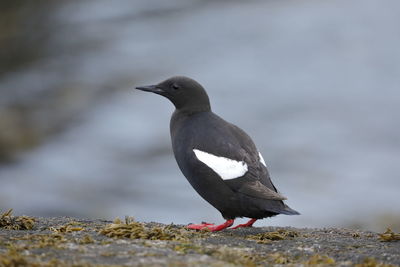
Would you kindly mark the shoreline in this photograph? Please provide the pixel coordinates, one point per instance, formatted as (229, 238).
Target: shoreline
(65, 241)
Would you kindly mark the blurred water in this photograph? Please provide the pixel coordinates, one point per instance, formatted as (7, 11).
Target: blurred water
(314, 83)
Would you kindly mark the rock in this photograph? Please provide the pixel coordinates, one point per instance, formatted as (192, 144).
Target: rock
(64, 241)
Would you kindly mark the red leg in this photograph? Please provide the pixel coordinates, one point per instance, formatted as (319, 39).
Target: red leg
(211, 227)
(248, 224)
(199, 226)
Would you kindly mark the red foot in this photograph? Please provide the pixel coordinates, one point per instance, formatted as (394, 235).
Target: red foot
(199, 226)
(248, 224)
(210, 226)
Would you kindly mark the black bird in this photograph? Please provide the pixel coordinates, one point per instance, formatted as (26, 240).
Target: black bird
(218, 158)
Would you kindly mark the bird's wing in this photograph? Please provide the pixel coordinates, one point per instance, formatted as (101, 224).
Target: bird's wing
(238, 163)
(241, 176)
(258, 190)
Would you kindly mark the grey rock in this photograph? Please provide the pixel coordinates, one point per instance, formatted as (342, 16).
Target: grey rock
(50, 243)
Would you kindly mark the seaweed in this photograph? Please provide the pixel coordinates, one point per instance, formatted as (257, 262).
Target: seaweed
(68, 228)
(267, 237)
(389, 236)
(371, 262)
(55, 241)
(279, 258)
(136, 230)
(86, 239)
(317, 259)
(12, 259)
(10, 222)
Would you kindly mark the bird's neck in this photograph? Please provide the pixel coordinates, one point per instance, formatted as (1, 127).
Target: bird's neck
(180, 116)
(193, 109)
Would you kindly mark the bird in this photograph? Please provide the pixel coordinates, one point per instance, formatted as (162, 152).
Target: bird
(219, 159)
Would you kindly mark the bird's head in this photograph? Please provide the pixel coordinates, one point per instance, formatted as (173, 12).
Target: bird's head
(186, 94)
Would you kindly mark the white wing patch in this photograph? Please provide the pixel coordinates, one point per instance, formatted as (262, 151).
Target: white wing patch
(224, 167)
(262, 159)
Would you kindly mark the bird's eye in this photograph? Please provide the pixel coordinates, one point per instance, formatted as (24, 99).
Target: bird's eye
(175, 86)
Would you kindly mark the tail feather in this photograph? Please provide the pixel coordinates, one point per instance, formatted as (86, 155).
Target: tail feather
(289, 211)
(274, 206)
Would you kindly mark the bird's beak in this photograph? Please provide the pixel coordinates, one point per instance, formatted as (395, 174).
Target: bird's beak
(151, 88)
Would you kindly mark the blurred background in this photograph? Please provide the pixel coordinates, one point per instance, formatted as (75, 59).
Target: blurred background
(315, 83)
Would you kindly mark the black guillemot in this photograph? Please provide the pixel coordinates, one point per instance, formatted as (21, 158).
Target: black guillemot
(218, 158)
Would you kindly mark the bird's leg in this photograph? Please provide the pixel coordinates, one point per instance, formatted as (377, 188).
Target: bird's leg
(206, 223)
(248, 224)
(211, 227)
(220, 227)
(199, 226)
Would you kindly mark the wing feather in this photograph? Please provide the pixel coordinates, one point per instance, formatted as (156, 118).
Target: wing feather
(258, 190)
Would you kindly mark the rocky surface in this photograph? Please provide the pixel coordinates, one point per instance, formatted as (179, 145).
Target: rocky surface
(64, 241)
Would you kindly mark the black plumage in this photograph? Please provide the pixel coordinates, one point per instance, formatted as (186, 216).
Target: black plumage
(211, 151)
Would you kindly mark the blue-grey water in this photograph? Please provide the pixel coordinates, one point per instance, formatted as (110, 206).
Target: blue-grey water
(315, 83)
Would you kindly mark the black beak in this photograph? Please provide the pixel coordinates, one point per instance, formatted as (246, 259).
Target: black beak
(151, 88)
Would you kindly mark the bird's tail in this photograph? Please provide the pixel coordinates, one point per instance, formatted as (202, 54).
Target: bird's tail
(289, 211)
